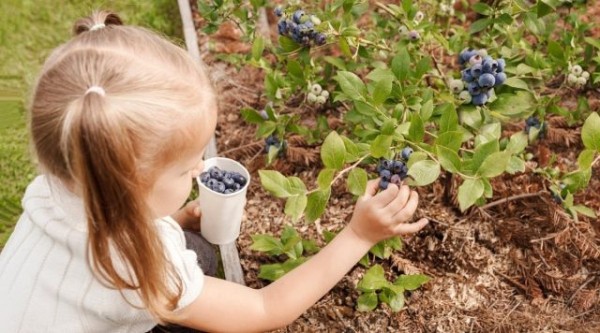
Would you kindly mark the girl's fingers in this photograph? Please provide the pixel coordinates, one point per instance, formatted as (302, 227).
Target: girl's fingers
(399, 201)
(410, 228)
(409, 209)
(371, 190)
(383, 198)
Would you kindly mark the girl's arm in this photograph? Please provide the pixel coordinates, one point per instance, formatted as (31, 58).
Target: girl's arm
(226, 306)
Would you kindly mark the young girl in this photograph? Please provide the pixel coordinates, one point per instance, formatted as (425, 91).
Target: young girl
(120, 119)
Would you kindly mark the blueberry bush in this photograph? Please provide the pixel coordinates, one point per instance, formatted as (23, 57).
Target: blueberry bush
(423, 91)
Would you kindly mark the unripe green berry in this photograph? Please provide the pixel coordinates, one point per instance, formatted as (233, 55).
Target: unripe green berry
(325, 94)
(316, 89)
(585, 75)
(321, 99)
(576, 70)
(312, 98)
(571, 78)
(465, 96)
(315, 20)
(581, 81)
(456, 86)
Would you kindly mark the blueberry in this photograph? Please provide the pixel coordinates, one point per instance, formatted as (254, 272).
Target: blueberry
(397, 167)
(486, 80)
(297, 16)
(228, 191)
(386, 164)
(278, 12)
(238, 178)
(414, 35)
(474, 88)
(211, 183)
(532, 121)
(486, 65)
(383, 184)
(480, 99)
(228, 181)
(216, 173)
(236, 186)
(219, 187)
(501, 65)
(385, 174)
(466, 55)
(396, 179)
(466, 75)
(320, 39)
(204, 177)
(476, 59)
(476, 70)
(282, 27)
(500, 78)
(406, 152)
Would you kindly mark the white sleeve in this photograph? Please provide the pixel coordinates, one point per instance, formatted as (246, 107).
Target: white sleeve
(184, 261)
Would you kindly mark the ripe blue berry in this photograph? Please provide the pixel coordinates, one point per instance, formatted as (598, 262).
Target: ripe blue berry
(385, 174)
(500, 78)
(474, 88)
(383, 184)
(480, 99)
(396, 179)
(466, 75)
(228, 181)
(282, 27)
(397, 167)
(501, 65)
(406, 152)
(386, 164)
(238, 178)
(278, 12)
(219, 187)
(297, 16)
(476, 70)
(204, 177)
(228, 191)
(320, 39)
(486, 65)
(486, 80)
(216, 173)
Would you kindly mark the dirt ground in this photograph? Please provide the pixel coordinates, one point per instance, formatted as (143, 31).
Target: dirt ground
(518, 265)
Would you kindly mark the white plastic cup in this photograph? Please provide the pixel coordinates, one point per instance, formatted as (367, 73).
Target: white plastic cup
(222, 213)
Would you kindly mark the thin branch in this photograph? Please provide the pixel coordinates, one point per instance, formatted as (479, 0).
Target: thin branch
(341, 173)
(580, 288)
(511, 198)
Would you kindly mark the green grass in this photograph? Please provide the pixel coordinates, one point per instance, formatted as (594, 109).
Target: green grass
(29, 30)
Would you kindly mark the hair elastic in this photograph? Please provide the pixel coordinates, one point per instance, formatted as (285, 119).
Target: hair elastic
(96, 89)
(97, 26)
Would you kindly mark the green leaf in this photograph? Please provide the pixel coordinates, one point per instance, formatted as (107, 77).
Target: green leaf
(317, 201)
(367, 302)
(516, 83)
(585, 159)
(590, 133)
(448, 158)
(479, 25)
(449, 120)
(401, 64)
(585, 211)
(258, 47)
(272, 272)
(469, 192)
(266, 243)
(396, 301)
(333, 151)
(494, 165)
(483, 151)
(351, 85)
(426, 110)
(593, 42)
(274, 182)
(382, 91)
(412, 281)
(287, 44)
(451, 140)
(416, 131)
(374, 279)
(251, 116)
(325, 178)
(295, 205)
(381, 145)
(295, 70)
(482, 8)
(357, 181)
(518, 143)
(424, 172)
(295, 185)
(515, 164)
(513, 104)
(543, 9)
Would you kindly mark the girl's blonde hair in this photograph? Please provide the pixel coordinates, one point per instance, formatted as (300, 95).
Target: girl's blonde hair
(147, 107)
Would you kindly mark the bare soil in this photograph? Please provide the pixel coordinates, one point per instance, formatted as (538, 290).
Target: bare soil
(516, 265)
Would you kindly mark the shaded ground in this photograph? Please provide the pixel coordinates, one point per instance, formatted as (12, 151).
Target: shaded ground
(514, 266)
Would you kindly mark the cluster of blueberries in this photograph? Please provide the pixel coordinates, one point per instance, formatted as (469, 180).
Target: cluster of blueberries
(222, 181)
(300, 27)
(394, 171)
(535, 122)
(480, 74)
(272, 140)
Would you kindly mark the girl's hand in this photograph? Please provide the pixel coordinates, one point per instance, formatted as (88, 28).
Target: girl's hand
(379, 216)
(188, 217)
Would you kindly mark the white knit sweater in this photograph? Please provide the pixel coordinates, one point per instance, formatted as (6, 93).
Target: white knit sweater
(46, 284)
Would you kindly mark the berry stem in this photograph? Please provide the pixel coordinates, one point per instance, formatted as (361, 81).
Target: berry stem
(342, 172)
(511, 198)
